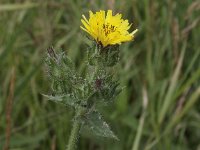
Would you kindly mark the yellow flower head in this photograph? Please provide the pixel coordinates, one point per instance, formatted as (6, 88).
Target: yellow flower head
(107, 29)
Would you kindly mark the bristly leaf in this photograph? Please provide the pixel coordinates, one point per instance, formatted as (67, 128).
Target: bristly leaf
(64, 99)
(94, 122)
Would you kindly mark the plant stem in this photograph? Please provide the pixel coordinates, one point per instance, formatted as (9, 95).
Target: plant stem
(75, 130)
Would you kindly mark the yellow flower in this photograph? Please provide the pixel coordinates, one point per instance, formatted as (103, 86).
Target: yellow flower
(107, 29)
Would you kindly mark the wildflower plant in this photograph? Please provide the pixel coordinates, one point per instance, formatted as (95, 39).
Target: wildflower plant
(99, 87)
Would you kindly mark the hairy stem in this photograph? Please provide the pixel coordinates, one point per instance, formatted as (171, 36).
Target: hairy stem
(73, 139)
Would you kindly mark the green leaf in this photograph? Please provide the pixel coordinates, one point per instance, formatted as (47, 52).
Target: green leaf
(63, 99)
(98, 126)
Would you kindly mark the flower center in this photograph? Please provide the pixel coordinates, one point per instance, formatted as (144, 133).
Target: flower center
(108, 28)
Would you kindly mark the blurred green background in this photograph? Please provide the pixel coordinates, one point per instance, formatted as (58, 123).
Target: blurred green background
(158, 110)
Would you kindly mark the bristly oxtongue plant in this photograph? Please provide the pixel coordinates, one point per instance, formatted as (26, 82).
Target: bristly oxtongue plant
(98, 86)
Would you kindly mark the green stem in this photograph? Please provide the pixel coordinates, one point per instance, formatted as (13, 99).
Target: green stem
(73, 139)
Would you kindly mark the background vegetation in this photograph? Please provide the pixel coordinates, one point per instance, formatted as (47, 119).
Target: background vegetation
(158, 110)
